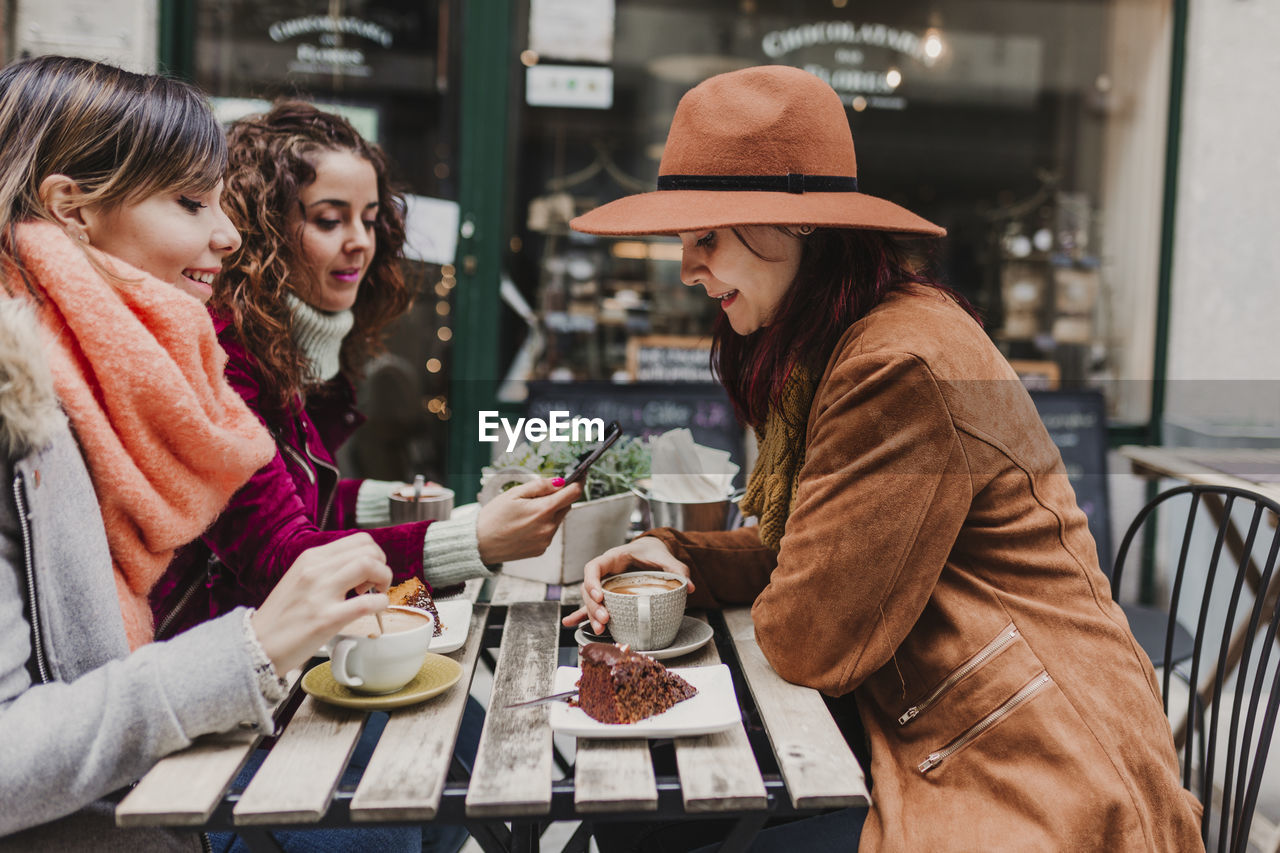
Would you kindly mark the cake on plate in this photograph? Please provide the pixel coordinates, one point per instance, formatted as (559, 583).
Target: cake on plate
(619, 685)
(414, 593)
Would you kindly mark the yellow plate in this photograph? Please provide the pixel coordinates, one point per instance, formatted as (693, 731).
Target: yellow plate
(437, 675)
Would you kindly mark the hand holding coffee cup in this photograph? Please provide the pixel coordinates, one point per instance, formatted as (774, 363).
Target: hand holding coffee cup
(643, 552)
(370, 660)
(645, 608)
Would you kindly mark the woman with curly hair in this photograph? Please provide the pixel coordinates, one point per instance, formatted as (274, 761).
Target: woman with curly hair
(300, 308)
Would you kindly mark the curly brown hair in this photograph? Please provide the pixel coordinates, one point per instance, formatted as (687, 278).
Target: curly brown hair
(271, 159)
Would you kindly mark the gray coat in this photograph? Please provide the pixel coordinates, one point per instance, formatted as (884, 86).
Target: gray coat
(80, 716)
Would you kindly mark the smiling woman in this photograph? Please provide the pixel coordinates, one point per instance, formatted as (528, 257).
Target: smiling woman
(728, 264)
(337, 216)
(196, 234)
(299, 310)
(120, 440)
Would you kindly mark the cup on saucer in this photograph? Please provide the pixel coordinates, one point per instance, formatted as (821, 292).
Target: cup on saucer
(645, 608)
(369, 660)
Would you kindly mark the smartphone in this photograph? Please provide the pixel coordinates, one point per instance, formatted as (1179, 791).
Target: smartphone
(611, 434)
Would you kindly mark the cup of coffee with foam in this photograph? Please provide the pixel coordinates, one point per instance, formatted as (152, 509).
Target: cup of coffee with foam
(645, 608)
(372, 660)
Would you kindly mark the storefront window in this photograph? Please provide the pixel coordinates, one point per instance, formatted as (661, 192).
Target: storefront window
(1033, 130)
(390, 68)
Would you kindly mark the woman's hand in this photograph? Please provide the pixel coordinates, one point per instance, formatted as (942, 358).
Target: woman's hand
(521, 521)
(309, 604)
(647, 552)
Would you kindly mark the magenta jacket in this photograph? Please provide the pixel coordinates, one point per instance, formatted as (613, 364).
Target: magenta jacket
(296, 501)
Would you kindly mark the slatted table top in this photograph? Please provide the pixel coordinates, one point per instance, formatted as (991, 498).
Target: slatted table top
(785, 756)
(1244, 467)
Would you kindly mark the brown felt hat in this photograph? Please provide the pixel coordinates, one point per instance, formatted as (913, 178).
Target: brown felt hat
(768, 145)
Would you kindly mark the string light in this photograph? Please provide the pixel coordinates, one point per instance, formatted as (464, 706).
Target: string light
(932, 43)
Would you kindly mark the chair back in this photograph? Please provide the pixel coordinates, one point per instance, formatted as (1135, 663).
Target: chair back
(1231, 595)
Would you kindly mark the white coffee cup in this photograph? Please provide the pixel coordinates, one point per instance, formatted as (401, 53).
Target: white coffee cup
(371, 662)
(645, 608)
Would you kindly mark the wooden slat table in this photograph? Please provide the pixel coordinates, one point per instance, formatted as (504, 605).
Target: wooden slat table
(819, 767)
(1257, 469)
(406, 775)
(514, 788)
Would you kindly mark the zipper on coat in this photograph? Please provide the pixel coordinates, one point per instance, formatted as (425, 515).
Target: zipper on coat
(1006, 637)
(185, 598)
(328, 504)
(1031, 689)
(301, 462)
(24, 525)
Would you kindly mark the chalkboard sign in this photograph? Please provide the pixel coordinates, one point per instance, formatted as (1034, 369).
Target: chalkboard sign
(669, 358)
(646, 408)
(1077, 423)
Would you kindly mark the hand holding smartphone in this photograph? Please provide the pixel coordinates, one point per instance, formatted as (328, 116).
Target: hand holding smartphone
(611, 434)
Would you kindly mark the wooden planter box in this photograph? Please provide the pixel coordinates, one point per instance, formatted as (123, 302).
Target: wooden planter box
(589, 529)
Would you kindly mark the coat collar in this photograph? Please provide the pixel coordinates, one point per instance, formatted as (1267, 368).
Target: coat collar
(29, 410)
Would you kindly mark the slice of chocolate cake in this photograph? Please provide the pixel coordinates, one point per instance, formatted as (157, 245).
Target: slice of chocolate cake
(622, 686)
(414, 593)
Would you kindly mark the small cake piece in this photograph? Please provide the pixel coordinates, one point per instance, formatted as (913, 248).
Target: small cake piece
(619, 685)
(414, 593)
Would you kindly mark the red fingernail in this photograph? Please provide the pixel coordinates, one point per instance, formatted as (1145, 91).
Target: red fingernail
(557, 482)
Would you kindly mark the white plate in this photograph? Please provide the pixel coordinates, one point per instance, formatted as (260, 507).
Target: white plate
(713, 709)
(693, 635)
(455, 615)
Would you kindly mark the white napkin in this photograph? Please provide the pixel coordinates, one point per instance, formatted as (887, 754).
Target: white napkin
(685, 472)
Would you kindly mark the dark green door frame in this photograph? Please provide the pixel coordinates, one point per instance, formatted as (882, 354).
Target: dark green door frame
(1168, 214)
(482, 192)
(1164, 280)
(177, 43)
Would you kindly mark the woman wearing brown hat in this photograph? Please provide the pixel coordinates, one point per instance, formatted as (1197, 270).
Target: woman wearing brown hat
(918, 544)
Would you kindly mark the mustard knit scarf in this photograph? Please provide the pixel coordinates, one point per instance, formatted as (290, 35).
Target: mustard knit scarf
(781, 441)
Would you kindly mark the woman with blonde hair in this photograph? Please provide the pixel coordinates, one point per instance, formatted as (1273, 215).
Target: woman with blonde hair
(121, 441)
(919, 547)
(300, 308)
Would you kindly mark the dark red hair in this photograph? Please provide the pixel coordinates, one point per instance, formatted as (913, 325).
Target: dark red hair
(843, 274)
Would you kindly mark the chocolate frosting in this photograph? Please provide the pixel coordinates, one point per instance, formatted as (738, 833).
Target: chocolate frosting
(603, 653)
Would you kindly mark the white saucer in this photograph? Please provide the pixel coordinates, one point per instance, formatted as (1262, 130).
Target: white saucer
(693, 635)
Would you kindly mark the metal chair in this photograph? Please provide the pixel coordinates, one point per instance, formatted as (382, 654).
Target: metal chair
(1233, 647)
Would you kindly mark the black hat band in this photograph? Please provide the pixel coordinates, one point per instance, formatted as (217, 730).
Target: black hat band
(792, 183)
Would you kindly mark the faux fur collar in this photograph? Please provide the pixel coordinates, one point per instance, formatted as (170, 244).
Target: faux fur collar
(29, 410)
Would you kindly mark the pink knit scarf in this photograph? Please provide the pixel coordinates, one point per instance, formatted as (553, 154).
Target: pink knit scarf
(139, 372)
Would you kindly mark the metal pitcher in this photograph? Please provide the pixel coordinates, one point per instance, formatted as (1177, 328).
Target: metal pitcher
(708, 515)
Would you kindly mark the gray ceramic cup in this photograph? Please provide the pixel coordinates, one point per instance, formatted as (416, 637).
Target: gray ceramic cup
(645, 608)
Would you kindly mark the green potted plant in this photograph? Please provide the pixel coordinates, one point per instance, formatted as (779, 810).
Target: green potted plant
(598, 521)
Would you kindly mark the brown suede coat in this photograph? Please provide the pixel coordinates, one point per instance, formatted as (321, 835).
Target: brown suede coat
(935, 547)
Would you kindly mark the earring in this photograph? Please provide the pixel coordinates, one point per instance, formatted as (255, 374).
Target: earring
(83, 237)
(805, 230)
